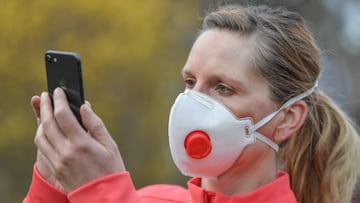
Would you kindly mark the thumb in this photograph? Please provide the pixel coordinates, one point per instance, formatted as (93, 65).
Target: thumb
(93, 123)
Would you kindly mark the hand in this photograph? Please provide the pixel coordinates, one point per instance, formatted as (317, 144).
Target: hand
(75, 156)
(41, 163)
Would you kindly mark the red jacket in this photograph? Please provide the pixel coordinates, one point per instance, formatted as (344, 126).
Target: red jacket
(118, 188)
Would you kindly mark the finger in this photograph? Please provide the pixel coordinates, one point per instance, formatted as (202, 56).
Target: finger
(47, 170)
(45, 147)
(35, 104)
(50, 127)
(93, 123)
(44, 160)
(64, 116)
(44, 167)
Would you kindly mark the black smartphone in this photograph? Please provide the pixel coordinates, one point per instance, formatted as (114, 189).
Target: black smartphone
(63, 69)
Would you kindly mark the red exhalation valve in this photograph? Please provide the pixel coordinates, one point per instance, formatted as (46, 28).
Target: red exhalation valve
(198, 145)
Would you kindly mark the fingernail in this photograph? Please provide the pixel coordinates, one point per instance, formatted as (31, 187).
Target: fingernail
(43, 94)
(87, 103)
(56, 91)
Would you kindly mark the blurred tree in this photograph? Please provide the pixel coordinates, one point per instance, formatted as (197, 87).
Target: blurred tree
(132, 53)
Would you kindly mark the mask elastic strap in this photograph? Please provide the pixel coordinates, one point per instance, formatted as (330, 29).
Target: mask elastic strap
(271, 116)
(267, 141)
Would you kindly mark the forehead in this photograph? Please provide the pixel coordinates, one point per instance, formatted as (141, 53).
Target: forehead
(223, 44)
(222, 52)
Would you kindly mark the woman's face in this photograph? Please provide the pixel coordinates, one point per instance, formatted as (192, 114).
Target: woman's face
(219, 65)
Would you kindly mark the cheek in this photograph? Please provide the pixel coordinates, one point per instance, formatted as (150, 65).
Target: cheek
(262, 109)
(254, 108)
(239, 107)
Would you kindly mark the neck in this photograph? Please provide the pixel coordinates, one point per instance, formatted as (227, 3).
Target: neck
(245, 176)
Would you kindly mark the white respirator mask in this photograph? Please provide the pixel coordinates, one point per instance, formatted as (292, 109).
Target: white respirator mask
(206, 138)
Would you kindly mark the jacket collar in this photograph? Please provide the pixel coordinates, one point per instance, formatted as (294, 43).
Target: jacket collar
(278, 191)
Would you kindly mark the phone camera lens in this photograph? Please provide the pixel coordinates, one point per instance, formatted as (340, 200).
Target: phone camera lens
(48, 58)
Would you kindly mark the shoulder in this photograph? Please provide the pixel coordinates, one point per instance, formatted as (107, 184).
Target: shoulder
(163, 193)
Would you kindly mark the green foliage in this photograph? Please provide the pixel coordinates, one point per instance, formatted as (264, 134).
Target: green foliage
(132, 53)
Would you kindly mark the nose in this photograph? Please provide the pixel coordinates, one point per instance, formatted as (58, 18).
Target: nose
(201, 87)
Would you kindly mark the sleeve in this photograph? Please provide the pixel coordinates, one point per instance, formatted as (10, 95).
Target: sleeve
(113, 188)
(43, 192)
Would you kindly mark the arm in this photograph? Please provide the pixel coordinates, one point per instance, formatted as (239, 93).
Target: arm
(41, 191)
(113, 188)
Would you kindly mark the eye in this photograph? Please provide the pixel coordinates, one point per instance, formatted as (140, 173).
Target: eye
(189, 83)
(224, 89)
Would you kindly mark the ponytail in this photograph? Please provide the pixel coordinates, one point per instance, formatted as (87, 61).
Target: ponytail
(323, 158)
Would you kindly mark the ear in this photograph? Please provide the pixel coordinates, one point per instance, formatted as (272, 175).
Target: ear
(292, 119)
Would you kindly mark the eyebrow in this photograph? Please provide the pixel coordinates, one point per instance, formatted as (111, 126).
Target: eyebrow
(183, 71)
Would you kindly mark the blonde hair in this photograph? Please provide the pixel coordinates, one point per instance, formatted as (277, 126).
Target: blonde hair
(323, 157)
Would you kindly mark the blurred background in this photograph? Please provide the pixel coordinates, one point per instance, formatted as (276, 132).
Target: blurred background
(132, 54)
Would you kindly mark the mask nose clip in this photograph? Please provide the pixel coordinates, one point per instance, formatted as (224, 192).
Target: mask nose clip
(197, 144)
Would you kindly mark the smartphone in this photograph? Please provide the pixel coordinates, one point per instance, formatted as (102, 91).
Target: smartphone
(63, 69)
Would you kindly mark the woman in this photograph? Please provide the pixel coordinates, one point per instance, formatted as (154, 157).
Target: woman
(251, 86)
